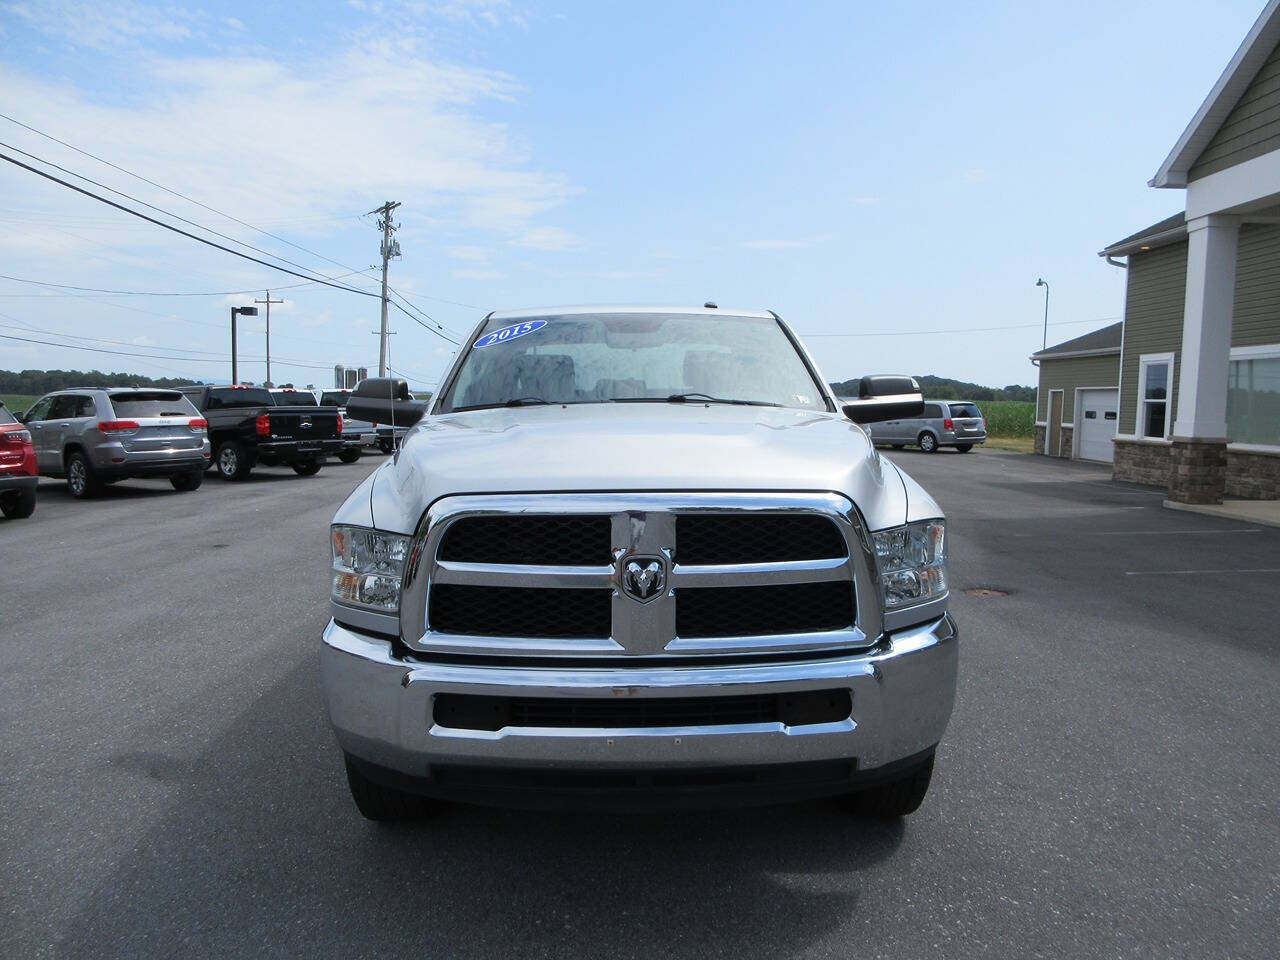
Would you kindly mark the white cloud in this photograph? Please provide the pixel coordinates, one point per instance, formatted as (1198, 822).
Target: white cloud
(252, 136)
(475, 273)
(104, 25)
(468, 252)
(552, 239)
(775, 244)
(975, 175)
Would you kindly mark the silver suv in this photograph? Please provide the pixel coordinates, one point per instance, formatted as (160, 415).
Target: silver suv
(944, 423)
(95, 437)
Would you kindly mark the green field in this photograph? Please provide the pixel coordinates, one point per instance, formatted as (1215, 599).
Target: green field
(17, 402)
(1009, 418)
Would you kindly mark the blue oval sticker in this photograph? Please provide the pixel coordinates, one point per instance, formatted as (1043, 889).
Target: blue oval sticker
(510, 333)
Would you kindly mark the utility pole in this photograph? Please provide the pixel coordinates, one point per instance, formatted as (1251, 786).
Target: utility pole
(269, 302)
(390, 248)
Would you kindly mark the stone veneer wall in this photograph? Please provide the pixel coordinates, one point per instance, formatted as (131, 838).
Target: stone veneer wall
(1253, 476)
(1038, 445)
(1197, 470)
(1067, 439)
(1250, 475)
(1139, 462)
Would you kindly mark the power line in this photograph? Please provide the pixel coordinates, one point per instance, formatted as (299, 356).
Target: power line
(179, 230)
(152, 356)
(152, 206)
(220, 213)
(172, 192)
(154, 293)
(204, 240)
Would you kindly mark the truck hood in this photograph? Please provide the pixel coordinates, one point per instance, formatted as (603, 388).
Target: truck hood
(619, 447)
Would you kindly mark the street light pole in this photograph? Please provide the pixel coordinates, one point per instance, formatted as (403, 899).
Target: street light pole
(1045, 341)
(238, 311)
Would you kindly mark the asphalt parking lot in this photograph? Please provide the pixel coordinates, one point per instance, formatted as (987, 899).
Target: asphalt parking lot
(1107, 787)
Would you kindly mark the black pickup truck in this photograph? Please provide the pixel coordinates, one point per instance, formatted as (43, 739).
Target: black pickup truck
(247, 427)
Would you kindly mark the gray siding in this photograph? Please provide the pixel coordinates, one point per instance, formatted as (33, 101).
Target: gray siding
(1074, 372)
(1256, 319)
(1155, 295)
(1251, 129)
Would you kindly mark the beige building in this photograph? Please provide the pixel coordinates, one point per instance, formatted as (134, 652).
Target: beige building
(1199, 379)
(1077, 401)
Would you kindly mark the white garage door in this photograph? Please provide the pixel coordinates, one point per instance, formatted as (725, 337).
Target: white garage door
(1097, 424)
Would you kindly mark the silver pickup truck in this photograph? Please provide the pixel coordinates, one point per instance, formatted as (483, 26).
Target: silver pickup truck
(637, 555)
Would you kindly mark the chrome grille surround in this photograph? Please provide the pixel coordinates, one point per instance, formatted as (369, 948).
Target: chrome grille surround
(641, 524)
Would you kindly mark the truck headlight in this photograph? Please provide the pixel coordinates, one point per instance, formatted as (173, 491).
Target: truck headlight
(913, 562)
(368, 566)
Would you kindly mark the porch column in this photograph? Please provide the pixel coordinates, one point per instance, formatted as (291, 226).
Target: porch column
(1198, 465)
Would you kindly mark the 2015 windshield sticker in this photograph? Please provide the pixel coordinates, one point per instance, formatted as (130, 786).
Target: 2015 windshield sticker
(510, 333)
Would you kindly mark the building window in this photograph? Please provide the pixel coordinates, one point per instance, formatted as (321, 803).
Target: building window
(1155, 376)
(1253, 395)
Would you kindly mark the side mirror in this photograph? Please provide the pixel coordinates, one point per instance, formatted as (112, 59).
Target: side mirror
(882, 398)
(385, 400)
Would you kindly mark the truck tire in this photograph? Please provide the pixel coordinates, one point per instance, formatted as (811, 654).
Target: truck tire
(383, 804)
(964, 447)
(82, 482)
(927, 442)
(231, 461)
(386, 446)
(20, 504)
(897, 446)
(349, 456)
(307, 468)
(182, 482)
(896, 798)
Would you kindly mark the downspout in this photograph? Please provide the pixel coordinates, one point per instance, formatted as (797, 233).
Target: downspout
(1116, 263)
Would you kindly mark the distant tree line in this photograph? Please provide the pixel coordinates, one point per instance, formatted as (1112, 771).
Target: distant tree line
(33, 382)
(944, 388)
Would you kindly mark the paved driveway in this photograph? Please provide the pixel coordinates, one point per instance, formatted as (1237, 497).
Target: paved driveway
(1107, 787)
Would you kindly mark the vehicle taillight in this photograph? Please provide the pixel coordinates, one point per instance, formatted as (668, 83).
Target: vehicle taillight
(15, 436)
(374, 424)
(948, 424)
(117, 426)
(199, 423)
(263, 425)
(339, 421)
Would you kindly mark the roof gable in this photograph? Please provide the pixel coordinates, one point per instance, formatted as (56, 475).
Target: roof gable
(1249, 59)
(1106, 340)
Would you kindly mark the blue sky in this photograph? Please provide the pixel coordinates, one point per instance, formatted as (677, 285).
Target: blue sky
(902, 174)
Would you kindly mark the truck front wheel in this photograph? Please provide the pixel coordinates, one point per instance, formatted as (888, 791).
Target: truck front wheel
(383, 804)
(895, 798)
(307, 468)
(231, 461)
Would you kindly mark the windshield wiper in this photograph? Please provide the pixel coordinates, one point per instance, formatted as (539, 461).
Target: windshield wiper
(708, 398)
(517, 402)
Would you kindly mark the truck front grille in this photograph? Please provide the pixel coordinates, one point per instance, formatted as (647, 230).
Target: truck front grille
(703, 539)
(556, 541)
(467, 712)
(519, 611)
(749, 611)
(738, 573)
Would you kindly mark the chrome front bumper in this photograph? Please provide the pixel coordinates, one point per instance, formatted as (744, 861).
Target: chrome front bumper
(381, 707)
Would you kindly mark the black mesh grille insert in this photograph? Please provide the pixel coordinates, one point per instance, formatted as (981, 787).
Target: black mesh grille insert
(761, 538)
(467, 712)
(519, 611)
(746, 611)
(554, 541)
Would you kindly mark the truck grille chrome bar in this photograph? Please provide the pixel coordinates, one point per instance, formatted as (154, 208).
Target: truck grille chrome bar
(789, 571)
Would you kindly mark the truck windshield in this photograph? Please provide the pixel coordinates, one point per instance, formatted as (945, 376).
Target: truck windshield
(334, 398)
(296, 398)
(239, 397)
(623, 358)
